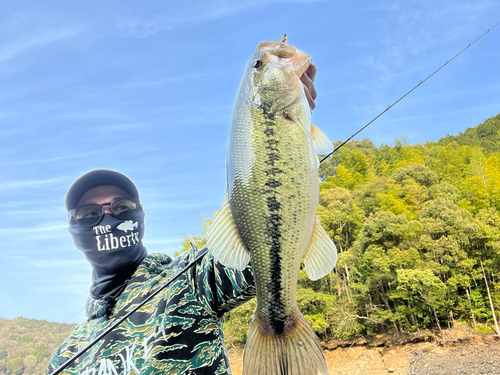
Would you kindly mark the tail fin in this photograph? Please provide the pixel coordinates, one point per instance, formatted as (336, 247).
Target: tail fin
(292, 353)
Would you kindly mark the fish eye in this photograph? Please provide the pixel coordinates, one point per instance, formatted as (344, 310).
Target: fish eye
(256, 64)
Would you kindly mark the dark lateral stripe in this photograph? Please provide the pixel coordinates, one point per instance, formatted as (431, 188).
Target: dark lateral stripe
(272, 142)
(277, 306)
(273, 183)
(273, 171)
(273, 226)
(271, 158)
(269, 132)
(273, 204)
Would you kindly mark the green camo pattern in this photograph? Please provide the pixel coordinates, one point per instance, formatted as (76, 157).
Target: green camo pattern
(178, 332)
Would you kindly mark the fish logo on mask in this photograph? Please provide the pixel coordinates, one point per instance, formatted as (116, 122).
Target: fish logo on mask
(127, 225)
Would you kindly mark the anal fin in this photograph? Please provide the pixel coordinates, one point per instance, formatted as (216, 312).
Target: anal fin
(224, 241)
(321, 254)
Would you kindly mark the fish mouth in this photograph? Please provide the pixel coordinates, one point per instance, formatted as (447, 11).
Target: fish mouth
(285, 55)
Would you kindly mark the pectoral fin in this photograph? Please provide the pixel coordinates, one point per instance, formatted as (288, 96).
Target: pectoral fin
(321, 254)
(224, 241)
(322, 145)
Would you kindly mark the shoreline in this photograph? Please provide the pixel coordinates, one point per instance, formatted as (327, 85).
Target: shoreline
(460, 353)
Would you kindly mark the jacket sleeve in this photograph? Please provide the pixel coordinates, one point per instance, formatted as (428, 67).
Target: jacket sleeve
(218, 288)
(54, 362)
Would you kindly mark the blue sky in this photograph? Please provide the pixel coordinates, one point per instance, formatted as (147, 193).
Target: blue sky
(147, 88)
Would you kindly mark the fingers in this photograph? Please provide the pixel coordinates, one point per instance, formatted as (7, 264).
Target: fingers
(310, 100)
(311, 71)
(308, 80)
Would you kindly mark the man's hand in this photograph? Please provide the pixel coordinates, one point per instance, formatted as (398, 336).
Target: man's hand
(308, 80)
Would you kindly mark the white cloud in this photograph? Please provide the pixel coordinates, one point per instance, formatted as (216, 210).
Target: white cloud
(193, 13)
(199, 13)
(51, 160)
(94, 114)
(146, 83)
(4, 114)
(13, 48)
(46, 212)
(77, 264)
(16, 257)
(127, 127)
(19, 184)
(51, 231)
(437, 115)
(80, 289)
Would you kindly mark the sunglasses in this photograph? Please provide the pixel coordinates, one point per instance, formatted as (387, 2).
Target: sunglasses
(91, 214)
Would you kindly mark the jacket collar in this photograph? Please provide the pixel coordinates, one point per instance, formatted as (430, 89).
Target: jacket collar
(152, 265)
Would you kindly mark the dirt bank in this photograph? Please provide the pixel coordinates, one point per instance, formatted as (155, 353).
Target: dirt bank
(462, 354)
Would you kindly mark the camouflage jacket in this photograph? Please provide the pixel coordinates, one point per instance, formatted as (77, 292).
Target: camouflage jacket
(177, 332)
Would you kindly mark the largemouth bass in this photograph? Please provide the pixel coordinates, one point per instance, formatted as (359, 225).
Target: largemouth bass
(269, 214)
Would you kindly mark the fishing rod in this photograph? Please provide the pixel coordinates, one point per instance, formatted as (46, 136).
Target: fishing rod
(351, 136)
(200, 255)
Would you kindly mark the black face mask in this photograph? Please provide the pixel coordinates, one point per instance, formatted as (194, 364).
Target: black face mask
(114, 249)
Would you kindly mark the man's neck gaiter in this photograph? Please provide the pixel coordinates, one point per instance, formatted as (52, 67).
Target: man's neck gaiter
(114, 249)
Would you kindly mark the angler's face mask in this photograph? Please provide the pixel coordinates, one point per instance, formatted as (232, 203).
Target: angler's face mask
(112, 243)
(113, 247)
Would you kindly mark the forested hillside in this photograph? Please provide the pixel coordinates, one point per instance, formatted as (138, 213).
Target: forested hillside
(485, 135)
(417, 228)
(26, 345)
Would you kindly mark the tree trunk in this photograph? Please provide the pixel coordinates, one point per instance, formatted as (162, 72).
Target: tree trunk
(435, 315)
(437, 322)
(413, 316)
(347, 275)
(471, 310)
(386, 302)
(491, 301)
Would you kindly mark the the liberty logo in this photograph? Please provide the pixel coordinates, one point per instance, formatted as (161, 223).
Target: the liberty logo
(106, 241)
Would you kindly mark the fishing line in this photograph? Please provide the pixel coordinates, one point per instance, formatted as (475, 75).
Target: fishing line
(351, 136)
(200, 255)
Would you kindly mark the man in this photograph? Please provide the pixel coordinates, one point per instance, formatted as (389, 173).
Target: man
(180, 330)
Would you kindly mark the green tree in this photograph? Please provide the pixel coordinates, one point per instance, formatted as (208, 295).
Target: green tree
(29, 363)
(198, 240)
(424, 286)
(237, 323)
(14, 366)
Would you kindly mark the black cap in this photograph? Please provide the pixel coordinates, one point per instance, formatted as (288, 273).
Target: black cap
(95, 178)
